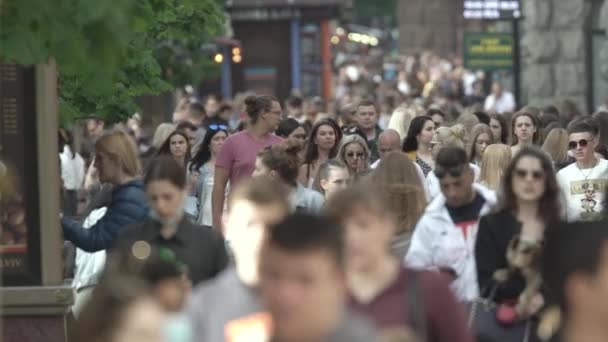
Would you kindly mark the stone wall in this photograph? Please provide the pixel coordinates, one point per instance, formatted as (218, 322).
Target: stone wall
(553, 51)
(604, 53)
(435, 25)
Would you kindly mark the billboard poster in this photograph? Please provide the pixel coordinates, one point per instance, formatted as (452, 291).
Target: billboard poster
(488, 51)
(19, 202)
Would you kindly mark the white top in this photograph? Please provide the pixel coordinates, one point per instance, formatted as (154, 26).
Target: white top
(206, 181)
(583, 191)
(506, 103)
(89, 265)
(72, 169)
(437, 243)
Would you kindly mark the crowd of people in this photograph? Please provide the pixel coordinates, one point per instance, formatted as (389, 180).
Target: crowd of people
(293, 222)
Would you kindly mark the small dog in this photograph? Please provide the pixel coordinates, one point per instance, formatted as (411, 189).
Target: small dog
(523, 256)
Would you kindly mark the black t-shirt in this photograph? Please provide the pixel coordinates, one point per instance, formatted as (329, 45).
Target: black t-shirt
(467, 215)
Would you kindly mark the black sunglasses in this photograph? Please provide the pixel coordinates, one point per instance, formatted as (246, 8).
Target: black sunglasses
(454, 171)
(216, 127)
(582, 143)
(523, 174)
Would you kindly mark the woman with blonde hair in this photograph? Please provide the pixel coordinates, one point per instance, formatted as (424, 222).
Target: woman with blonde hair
(355, 154)
(162, 132)
(401, 119)
(398, 179)
(479, 138)
(495, 161)
(556, 147)
(468, 120)
(117, 164)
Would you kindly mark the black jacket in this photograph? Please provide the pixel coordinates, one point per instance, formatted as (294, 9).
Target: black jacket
(201, 249)
(495, 232)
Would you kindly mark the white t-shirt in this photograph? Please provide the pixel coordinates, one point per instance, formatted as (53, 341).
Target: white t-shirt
(505, 103)
(583, 191)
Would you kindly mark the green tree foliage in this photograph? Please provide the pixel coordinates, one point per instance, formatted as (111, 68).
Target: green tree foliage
(109, 52)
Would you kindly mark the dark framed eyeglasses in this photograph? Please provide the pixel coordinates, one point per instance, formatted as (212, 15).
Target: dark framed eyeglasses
(453, 171)
(216, 127)
(523, 174)
(582, 143)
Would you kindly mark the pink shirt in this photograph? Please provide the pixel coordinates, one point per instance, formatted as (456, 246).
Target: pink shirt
(238, 154)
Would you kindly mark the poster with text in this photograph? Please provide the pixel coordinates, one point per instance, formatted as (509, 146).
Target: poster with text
(19, 203)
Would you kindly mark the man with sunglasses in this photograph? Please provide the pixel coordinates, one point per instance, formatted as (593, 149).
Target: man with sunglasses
(444, 238)
(583, 183)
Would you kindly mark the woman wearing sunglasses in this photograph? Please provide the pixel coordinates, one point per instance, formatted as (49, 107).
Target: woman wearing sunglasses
(528, 206)
(582, 183)
(355, 154)
(202, 171)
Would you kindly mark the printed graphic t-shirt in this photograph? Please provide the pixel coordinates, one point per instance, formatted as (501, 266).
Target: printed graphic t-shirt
(467, 216)
(583, 191)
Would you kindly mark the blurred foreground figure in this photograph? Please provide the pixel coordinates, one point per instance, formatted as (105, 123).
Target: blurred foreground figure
(220, 306)
(138, 297)
(200, 249)
(303, 283)
(575, 271)
(397, 299)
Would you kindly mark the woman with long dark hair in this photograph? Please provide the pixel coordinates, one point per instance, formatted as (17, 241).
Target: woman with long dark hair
(178, 147)
(530, 204)
(417, 143)
(500, 129)
(202, 168)
(323, 144)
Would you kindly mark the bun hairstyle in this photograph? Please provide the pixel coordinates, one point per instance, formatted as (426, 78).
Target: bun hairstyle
(284, 159)
(256, 105)
(453, 136)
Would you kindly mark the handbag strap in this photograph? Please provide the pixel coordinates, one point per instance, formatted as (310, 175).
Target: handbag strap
(415, 306)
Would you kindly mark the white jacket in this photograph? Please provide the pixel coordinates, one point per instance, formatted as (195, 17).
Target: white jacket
(437, 242)
(72, 169)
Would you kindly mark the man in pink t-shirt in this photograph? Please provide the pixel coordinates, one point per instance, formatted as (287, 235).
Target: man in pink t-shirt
(236, 160)
(238, 154)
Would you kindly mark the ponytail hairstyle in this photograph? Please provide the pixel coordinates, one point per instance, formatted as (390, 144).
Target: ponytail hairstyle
(410, 143)
(258, 105)
(283, 159)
